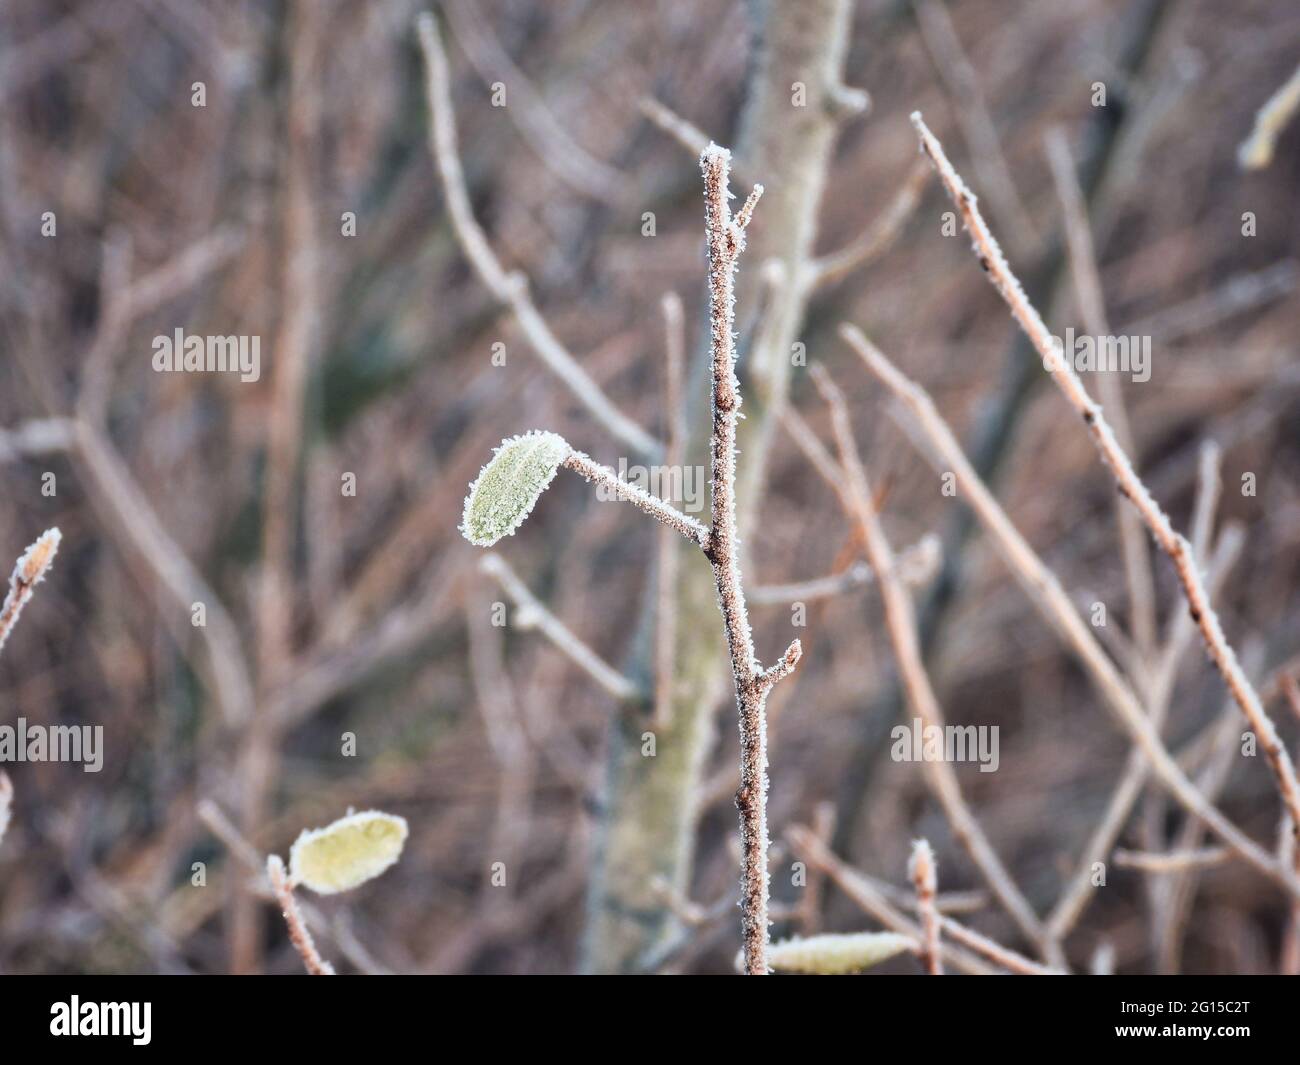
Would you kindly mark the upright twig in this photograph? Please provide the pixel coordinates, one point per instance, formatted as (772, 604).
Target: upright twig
(924, 876)
(651, 805)
(726, 239)
(523, 466)
(29, 571)
(1173, 543)
(299, 934)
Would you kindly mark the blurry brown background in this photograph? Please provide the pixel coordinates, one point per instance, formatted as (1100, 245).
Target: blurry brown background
(369, 615)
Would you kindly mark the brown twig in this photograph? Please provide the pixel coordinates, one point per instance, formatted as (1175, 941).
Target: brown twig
(726, 239)
(28, 572)
(924, 876)
(299, 933)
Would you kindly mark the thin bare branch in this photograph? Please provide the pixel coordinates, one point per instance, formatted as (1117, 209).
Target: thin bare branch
(916, 566)
(531, 614)
(878, 237)
(1172, 861)
(559, 152)
(641, 499)
(690, 137)
(510, 289)
(922, 871)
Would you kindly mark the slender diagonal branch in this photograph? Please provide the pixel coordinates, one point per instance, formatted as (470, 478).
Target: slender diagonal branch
(510, 289)
(1173, 543)
(1045, 593)
(530, 613)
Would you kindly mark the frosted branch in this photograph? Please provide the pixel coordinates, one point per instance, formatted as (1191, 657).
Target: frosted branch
(28, 572)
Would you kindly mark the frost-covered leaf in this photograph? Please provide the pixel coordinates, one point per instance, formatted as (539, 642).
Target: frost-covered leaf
(508, 486)
(348, 852)
(834, 955)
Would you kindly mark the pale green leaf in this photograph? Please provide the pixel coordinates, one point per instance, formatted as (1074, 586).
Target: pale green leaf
(834, 955)
(348, 852)
(508, 486)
